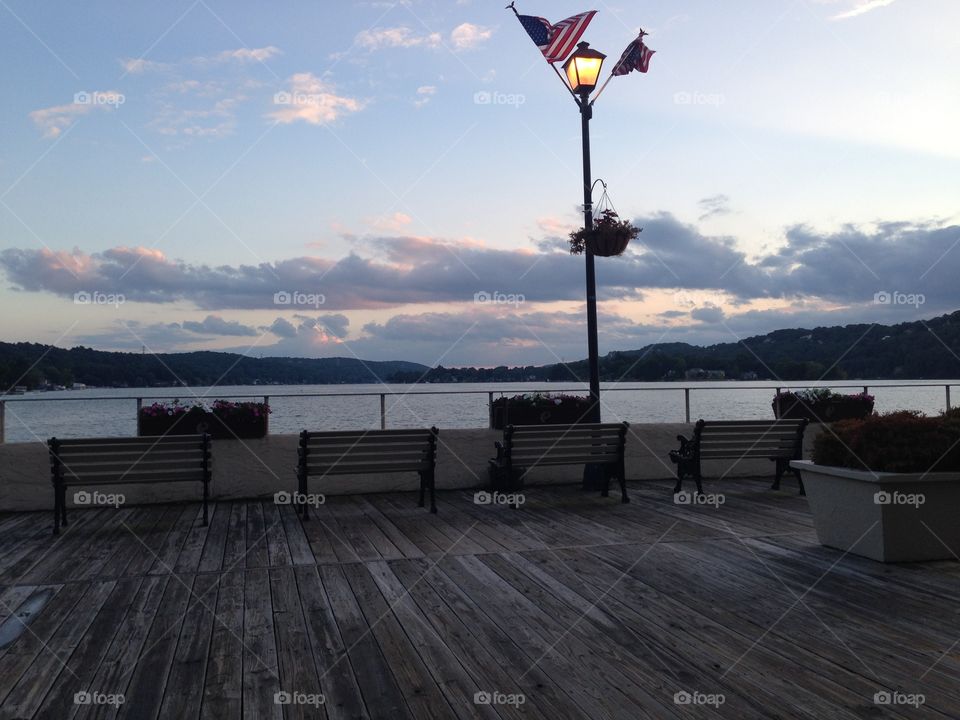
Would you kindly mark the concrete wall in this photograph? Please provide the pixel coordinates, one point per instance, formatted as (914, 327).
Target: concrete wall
(256, 468)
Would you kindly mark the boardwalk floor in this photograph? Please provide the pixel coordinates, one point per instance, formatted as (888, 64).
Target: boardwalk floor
(572, 606)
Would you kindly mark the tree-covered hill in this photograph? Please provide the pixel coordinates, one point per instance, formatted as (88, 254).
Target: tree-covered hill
(35, 365)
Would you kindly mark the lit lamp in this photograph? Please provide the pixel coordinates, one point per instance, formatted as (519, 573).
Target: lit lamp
(583, 69)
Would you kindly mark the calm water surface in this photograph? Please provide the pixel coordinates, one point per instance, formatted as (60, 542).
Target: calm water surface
(75, 413)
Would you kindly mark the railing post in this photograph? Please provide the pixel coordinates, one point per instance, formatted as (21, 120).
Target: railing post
(490, 410)
(266, 417)
(866, 389)
(139, 408)
(3, 420)
(779, 409)
(383, 411)
(946, 387)
(686, 403)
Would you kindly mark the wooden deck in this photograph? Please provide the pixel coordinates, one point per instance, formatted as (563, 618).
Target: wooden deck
(576, 605)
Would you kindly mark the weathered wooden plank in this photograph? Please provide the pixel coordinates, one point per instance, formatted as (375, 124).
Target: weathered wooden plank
(277, 550)
(261, 681)
(372, 670)
(336, 677)
(50, 664)
(82, 663)
(299, 682)
(185, 682)
(257, 554)
(424, 697)
(148, 679)
(223, 683)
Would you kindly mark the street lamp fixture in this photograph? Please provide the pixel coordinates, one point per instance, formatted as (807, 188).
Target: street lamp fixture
(583, 69)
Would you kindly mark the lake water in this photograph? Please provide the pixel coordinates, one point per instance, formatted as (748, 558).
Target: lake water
(112, 412)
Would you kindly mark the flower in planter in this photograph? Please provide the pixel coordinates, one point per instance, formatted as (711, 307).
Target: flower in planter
(609, 236)
(903, 441)
(172, 409)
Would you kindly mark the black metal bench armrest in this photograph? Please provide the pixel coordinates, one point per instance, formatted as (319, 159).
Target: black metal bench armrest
(686, 449)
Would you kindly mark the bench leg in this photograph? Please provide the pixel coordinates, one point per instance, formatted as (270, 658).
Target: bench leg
(433, 492)
(304, 509)
(206, 496)
(56, 510)
(423, 485)
(779, 475)
(622, 471)
(803, 490)
(63, 506)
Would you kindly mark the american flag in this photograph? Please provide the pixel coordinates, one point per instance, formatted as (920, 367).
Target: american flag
(635, 57)
(556, 42)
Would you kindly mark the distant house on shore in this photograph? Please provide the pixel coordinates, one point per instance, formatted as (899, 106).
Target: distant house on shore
(701, 374)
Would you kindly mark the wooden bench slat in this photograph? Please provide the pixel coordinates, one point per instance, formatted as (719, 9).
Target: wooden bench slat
(131, 457)
(141, 440)
(106, 468)
(131, 478)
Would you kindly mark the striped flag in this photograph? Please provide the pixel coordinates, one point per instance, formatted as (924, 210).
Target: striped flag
(556, 42)
(635, 57)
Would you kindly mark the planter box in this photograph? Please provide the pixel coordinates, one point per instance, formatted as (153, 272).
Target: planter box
(196, 423)
(830, 411)
(890, 517)
(548, 415)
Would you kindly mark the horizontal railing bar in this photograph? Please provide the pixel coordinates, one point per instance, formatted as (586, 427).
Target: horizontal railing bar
(733, 385)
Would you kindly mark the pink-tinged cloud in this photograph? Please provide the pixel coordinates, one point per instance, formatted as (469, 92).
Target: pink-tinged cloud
(312, 100)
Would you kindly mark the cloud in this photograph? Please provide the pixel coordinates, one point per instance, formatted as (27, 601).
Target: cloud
(311, 100)
(845, 267)
(54, 120)
(216, 325)
(395, 37)
(138, 66)
(392, 223)
(710, 315)
(468, 36)
(424, 94)
(243, 55)
(714, 206)
(861, 7)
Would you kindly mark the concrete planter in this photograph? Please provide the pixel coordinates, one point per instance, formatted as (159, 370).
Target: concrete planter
(890, 517)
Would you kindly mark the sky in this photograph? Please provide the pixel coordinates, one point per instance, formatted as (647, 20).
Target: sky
(396, 180)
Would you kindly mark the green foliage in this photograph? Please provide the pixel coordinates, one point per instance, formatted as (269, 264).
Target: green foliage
(905, 441)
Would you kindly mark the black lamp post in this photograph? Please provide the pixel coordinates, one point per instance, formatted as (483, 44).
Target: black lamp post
(583, 70)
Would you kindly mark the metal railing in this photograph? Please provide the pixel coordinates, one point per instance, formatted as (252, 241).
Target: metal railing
(383, 395)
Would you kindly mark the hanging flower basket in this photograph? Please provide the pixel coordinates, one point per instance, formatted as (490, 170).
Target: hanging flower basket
(609, 235)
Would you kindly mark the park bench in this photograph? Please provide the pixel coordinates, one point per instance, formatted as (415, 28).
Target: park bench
(352, 452)
(778, 440)
(93, 462)
(526, 447)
